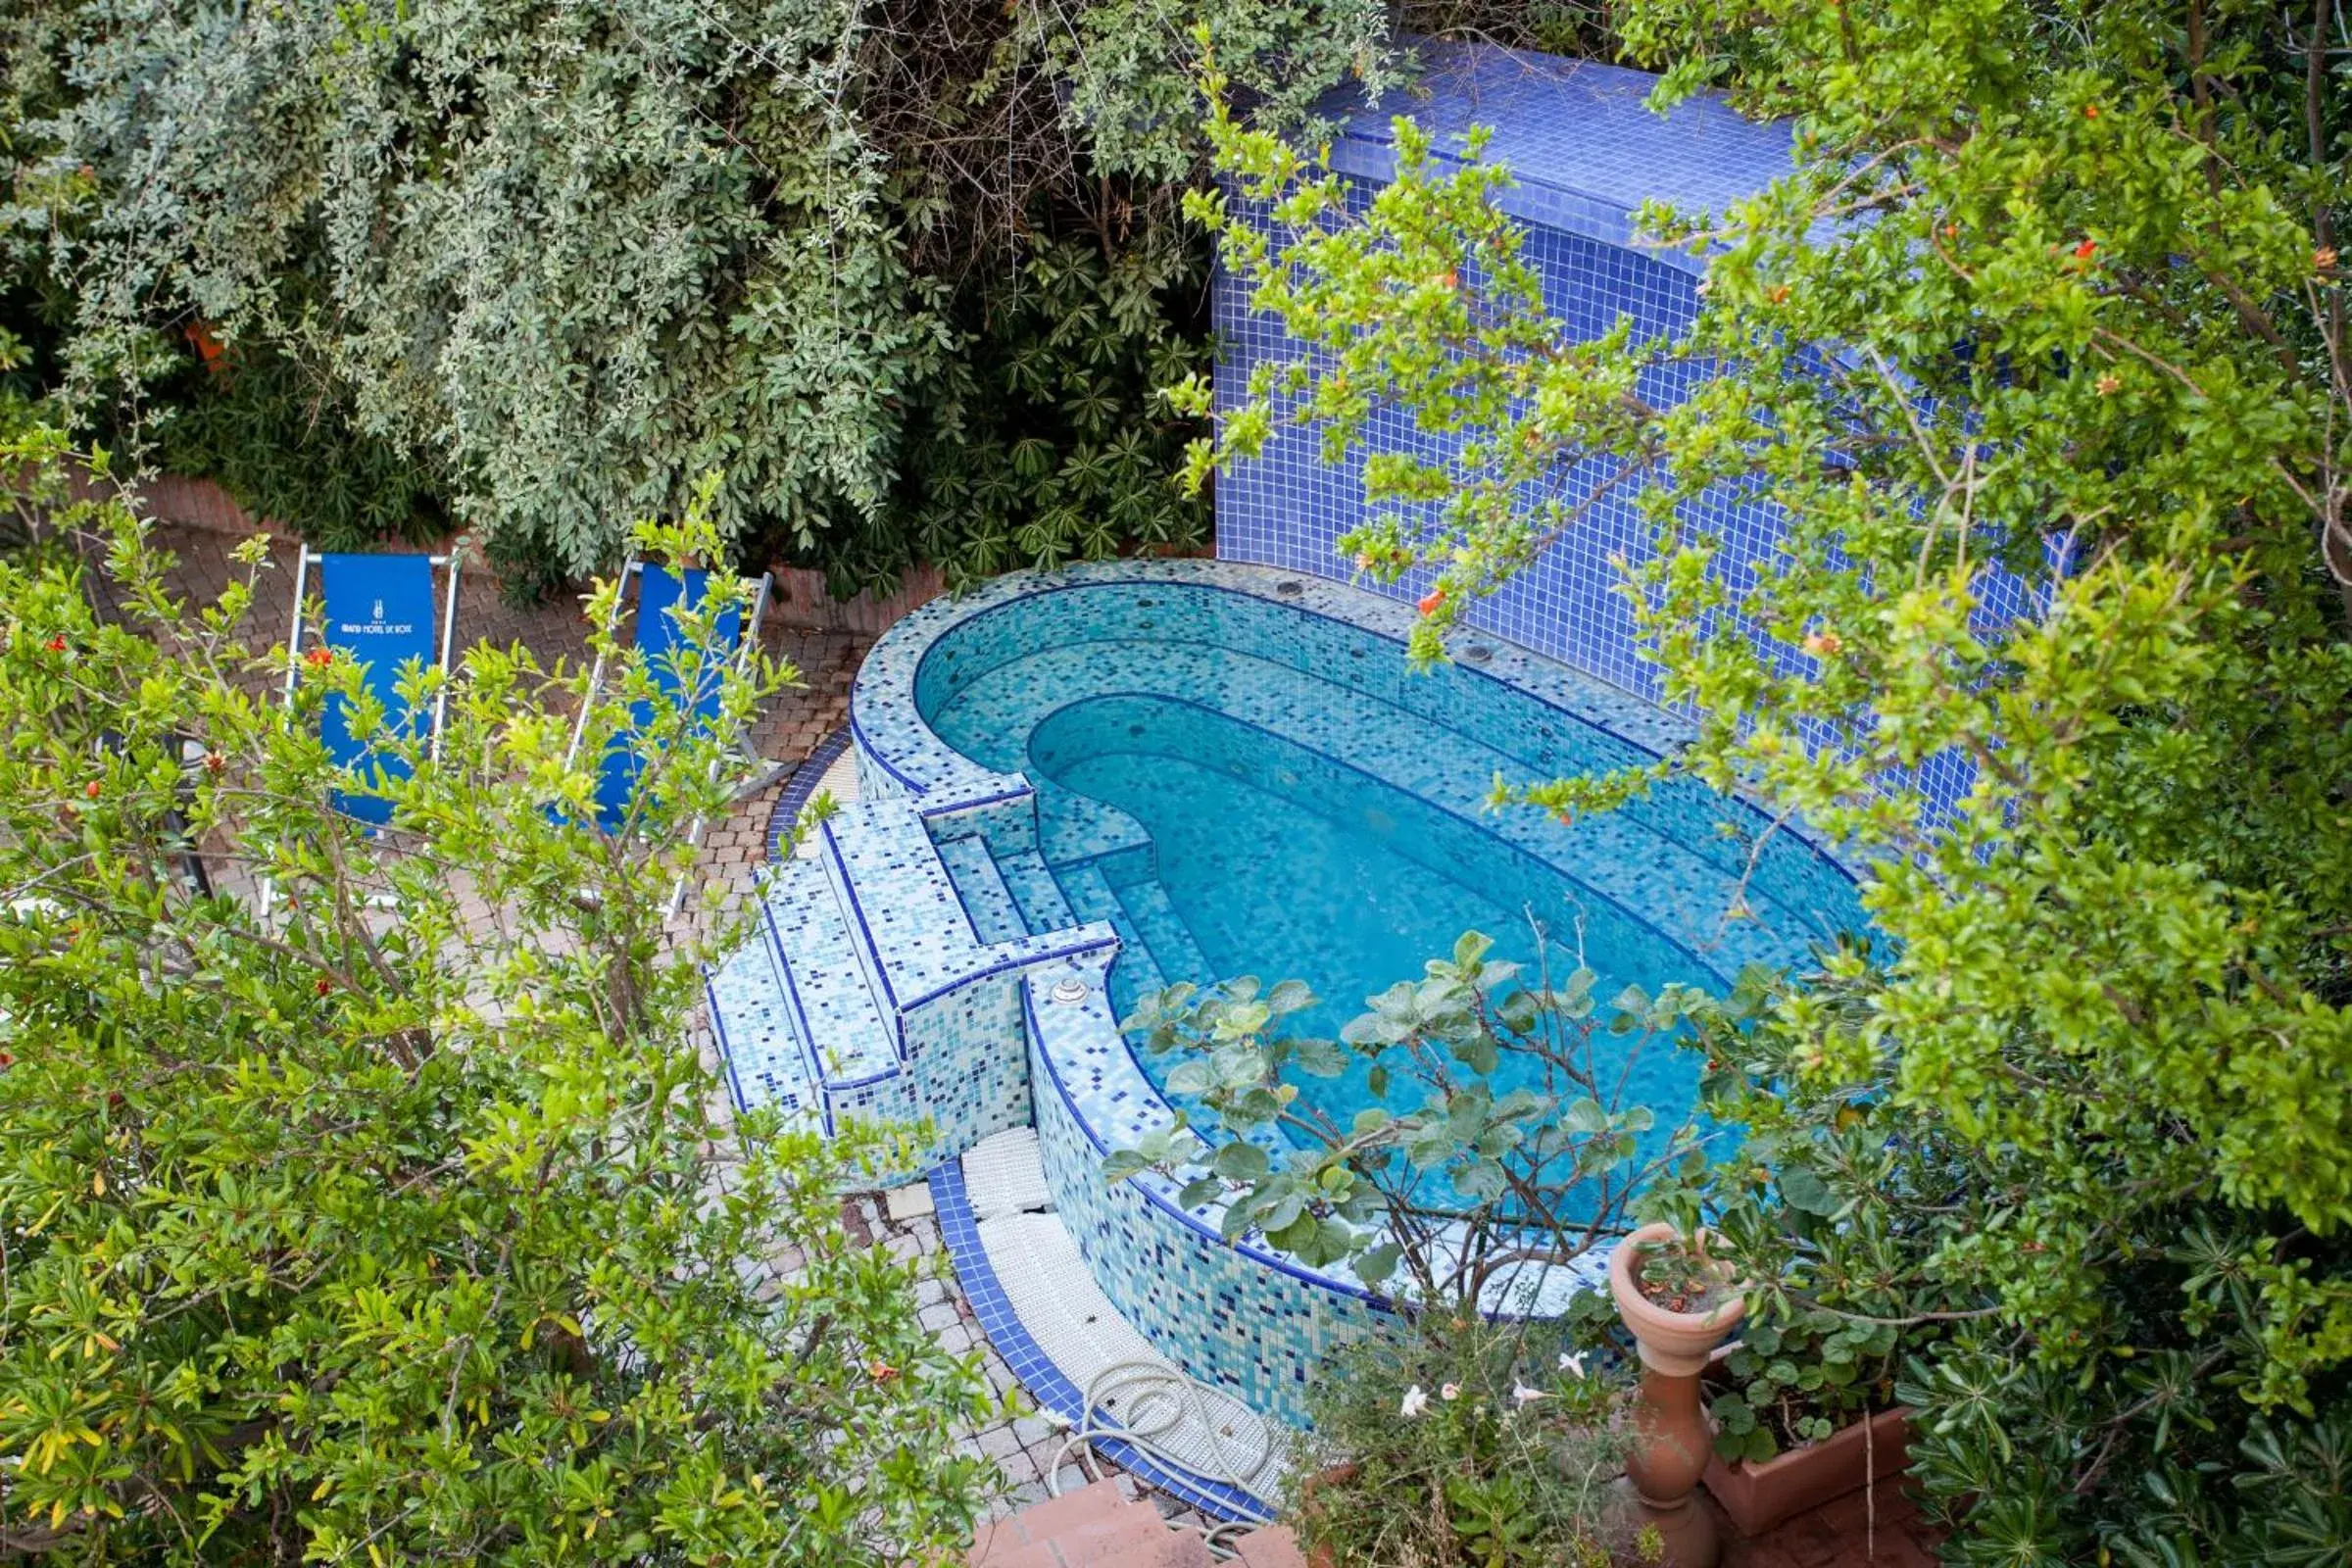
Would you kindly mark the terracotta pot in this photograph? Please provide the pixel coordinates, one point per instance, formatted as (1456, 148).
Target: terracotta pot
(1758, 1496)
(1673, 1445)
(1677, 1343)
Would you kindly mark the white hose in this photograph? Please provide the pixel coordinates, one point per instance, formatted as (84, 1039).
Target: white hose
(1159, 1398)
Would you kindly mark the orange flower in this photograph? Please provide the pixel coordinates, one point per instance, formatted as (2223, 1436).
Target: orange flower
(880, 1371)
(93, 790)
(56, 643)
(2090, 111)
(1429, 601)
(318, 657)
(2084, 251)
(1822, 644)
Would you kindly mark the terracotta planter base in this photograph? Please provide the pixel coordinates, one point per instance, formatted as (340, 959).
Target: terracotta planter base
(1758, 1496)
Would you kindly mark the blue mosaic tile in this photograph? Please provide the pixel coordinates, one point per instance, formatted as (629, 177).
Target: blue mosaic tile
(831, 1000)
(995, 917)
(1040, 899)
(761, 1046)
(800, 788)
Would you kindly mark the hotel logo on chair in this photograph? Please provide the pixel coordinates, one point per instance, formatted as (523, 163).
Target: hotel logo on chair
(375, 625)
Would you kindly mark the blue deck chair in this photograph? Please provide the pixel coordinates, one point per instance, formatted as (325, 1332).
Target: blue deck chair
(658, 637)
(379, 611)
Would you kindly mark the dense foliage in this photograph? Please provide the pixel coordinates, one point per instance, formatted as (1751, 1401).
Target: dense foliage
(1470, 1445)
(563, 260)
(390, 1216)
(1044, 440)
(2080, 271)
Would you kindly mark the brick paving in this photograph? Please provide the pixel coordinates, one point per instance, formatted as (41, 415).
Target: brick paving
(1023, 1446)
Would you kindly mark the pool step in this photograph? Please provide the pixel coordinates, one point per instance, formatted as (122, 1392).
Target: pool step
(760, 1050)
(1136, 972)
(1073, 828)
(911, 929)
(874, 994)
(829, 996)
(1162, 930)
(1035, 892)
(996, 916)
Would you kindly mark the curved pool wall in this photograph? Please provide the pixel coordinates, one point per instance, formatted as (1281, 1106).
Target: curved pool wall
(976, 934)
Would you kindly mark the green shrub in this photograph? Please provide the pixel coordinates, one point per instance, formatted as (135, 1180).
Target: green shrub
(2083, 280)
(391, 1217)
(567, 260)
(1463, 1444)
(281, 441)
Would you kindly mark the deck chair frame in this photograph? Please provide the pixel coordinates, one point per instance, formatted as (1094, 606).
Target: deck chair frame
(448, 608)
(746, 645)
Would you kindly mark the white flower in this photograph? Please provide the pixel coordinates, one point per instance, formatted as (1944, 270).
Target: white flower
(1527, 1395)
(1573, 1365)
(1450, 1391)
(1415, 1401)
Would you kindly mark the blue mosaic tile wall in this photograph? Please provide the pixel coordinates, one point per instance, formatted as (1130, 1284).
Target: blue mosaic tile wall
(1585, 154)
(1236, 1317)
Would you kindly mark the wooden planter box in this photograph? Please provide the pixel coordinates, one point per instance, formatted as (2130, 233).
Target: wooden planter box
(1758, 1496)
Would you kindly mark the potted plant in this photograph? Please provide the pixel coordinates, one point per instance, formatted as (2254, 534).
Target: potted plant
(1804, 1411)
(1679, 1303)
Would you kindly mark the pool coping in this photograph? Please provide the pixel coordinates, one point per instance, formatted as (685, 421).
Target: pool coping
(890, 731)
(800, 786)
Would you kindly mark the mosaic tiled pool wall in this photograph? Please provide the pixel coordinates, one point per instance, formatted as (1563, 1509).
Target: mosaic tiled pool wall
(1236, 1317)
(1585, 154)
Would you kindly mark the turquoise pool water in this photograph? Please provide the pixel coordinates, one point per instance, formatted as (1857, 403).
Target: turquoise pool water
(1240, 787)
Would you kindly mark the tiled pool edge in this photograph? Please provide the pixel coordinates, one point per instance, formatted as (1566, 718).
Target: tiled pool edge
(801, 788)
(898, 752)
(959, 1233)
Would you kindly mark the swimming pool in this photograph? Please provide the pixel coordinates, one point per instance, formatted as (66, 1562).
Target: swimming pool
(1078, 785)
(1240, 787)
